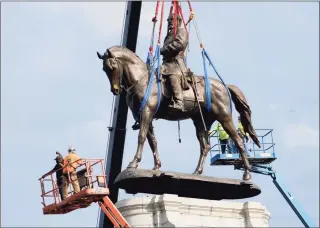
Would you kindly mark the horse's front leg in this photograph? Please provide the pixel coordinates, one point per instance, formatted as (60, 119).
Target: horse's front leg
(146, 118)
(153, 144)
(202, 136)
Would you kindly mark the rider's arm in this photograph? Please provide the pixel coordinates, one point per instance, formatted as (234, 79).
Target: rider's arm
(178, 44)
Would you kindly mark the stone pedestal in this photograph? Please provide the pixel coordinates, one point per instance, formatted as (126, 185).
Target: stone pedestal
(173, 211)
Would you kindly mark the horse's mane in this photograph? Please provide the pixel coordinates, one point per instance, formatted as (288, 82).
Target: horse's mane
(124, 53)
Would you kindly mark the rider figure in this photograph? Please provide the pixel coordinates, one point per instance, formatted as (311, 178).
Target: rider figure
(174, 67)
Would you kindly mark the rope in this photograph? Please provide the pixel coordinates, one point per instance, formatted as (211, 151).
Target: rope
(154, 20)
(112, 105)
(184, 23)
(161, 21)
(175, 13)
(179, 131)
(147, 93)
(158, 54)
(195, 89)
(186, 62)
(158, 82)
(190, 7)
(197, 31)
(158, 79)
(205, 54)
(150, 52)
(206, 80)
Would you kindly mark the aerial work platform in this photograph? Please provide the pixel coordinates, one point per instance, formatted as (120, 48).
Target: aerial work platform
(263, 155)
(93, 188)
(78, 200)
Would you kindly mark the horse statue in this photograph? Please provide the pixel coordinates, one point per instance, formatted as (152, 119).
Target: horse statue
(126, 71)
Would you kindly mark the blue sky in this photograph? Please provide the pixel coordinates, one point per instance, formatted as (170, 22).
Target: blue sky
(54, 93)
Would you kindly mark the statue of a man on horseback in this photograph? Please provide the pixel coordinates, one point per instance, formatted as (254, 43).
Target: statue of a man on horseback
(174, 68)
(125, 70)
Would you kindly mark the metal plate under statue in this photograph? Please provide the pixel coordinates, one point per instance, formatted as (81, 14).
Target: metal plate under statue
(184, 185)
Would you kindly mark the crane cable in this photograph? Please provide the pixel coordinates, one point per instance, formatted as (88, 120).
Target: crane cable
(206, 55)
(150, 53)
(137, 116)
(113, 99)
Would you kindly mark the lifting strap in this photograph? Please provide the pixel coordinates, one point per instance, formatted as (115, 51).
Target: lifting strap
(112, 213)
(151, 59)
(204, 57)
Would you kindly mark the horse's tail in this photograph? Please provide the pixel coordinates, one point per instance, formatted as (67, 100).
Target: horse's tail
(244, 110)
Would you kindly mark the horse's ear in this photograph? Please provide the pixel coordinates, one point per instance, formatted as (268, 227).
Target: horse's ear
(110, 53)
(99, 56)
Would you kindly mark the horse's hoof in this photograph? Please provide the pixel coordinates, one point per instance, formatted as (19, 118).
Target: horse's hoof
(133, 165)
(156, 167)
(197, 172)
(246, 176)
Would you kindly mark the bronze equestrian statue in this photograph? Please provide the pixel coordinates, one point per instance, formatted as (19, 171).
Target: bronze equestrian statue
(126, 71)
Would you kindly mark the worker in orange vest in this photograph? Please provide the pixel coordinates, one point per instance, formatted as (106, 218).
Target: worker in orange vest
(70, 163)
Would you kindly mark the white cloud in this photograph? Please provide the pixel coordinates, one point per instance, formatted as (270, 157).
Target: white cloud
(300, 135)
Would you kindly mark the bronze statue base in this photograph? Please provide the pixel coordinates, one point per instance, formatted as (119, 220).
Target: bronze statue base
(135, 181)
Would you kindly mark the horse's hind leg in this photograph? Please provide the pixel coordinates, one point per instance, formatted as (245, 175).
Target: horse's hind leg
(231, 130)
(146, 118)
(153, 144)
(202, 136)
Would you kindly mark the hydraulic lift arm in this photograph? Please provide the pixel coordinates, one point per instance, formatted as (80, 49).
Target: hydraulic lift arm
(112, 213)
(294, 204)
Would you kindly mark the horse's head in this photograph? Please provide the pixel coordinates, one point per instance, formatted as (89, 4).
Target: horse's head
(114, 70)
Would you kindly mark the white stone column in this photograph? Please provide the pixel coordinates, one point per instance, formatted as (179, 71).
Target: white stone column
(173, 211)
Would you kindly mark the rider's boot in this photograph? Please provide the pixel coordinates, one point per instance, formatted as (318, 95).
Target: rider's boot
(177, 93)
(136, 126)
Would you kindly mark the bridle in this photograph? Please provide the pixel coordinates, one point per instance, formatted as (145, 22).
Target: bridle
(111, 65)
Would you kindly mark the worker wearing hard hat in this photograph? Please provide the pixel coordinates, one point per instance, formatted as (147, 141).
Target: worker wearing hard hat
(58, 170)
(224, 138)
(70, 163)
(243, 135)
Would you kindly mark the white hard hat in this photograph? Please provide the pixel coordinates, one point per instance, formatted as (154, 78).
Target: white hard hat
(71, 149)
